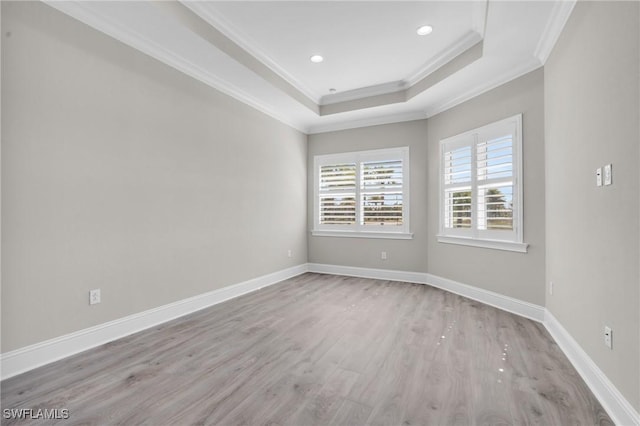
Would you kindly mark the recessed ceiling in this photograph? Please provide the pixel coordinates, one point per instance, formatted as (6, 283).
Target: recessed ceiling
(376, 37)
(376, 68)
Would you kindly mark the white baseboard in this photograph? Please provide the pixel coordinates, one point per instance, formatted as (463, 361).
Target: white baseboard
(506, 303)
(497, 300)
(33, 356)
(620, 410)
(377, 274)
(30, 357)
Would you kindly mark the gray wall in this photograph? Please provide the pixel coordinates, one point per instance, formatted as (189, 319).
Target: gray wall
(592, 118)
(519, 275)
(522, 275)
(404, 255)
(123, 174)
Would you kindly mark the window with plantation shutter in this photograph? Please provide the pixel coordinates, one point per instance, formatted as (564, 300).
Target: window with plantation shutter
(338, 194)
(481, 187)
(362, 194)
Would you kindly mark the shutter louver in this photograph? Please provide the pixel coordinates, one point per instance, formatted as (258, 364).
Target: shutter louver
(457, 181)
(495, 184)
(381, 192)
(338, 194)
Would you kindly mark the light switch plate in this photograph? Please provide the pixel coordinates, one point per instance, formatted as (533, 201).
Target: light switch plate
(608, 174)
(599, 176)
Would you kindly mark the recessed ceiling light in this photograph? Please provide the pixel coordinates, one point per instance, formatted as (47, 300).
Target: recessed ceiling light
(316, 59)
(424, 30)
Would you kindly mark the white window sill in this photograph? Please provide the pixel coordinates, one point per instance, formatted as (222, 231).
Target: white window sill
(490, 244)
(364, 234)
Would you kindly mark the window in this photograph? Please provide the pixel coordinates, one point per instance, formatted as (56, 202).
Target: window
(362, 194)
(481, 187)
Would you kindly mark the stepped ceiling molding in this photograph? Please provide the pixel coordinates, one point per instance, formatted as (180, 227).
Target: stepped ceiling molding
(376, 68)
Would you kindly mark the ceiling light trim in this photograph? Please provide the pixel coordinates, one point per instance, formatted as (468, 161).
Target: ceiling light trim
(79, 11)
(235, 35)
(557, 20)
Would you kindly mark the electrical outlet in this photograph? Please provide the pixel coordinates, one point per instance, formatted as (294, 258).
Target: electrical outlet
(551, 287)
(383, 255)
(608, 337)
(94, 296)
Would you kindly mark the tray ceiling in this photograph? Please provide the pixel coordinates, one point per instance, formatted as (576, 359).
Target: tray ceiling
(376, 68)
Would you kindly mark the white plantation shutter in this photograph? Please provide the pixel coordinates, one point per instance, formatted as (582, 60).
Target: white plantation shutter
(381, 193)
(481, 185)
(457, 187)
(338, 194)
(362, 192)
(495, 183)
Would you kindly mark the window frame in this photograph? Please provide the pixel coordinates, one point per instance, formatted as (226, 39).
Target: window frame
(359, 230)
(474, 236)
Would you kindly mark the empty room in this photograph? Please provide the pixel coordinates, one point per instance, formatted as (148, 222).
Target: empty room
(320, 212)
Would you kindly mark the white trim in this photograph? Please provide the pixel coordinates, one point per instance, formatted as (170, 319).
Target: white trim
(614, 403)
(83, 13)
(39, 354)
(552, 30)
(376, 274)
(362, 234)
(358, 159)
(620, 410)
(510, 304)
(472, 139)
(456, 49)
(506, 303)
(364, 92)
(478, 90)
(479, 17)
(366, 122)
(225, 27)
(490, 244)
(30, 357)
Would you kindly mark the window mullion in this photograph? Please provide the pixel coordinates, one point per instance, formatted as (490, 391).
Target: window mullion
(474, 186)
(359, 199)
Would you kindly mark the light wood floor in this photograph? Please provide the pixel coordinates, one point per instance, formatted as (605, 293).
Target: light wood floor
(322, 349)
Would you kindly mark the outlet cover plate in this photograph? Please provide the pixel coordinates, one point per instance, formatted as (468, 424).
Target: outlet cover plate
(94, 296)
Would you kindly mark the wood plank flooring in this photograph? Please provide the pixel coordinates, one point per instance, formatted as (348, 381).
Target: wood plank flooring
(321, 349)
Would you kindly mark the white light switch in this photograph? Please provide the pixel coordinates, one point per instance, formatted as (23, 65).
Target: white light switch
(599, 176)
(608, 174)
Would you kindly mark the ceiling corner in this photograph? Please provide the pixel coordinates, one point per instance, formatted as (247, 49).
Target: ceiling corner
(557, 20)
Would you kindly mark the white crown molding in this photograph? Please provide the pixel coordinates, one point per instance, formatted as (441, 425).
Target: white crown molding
(620, 410)
(557, 20)
(463, 44)
(39, 354)
(510, 75)
(81, 12)
(364, 92)
(479, 16)
(200, 8)
(366, 122)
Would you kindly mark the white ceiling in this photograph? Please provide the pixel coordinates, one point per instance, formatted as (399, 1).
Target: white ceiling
(258, 52)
